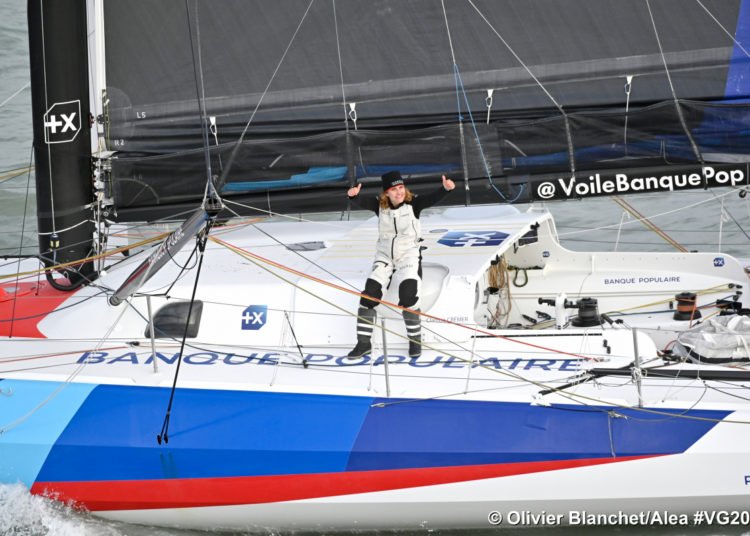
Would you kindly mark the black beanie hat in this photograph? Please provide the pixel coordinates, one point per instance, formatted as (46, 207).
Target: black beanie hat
(391, 179)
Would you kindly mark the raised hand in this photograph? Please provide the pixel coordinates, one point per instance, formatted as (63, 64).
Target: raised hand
(447, 184)
(354, 191)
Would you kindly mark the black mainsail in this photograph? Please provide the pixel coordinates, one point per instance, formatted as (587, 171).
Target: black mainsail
(545, 99)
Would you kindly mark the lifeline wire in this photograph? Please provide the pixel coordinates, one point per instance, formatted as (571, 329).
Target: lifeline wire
(393, 306)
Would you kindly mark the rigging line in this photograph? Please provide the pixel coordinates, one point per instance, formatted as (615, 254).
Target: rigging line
(22, 169)
(182, 267)
(46, 105)
(6, 101)
(281, 215)
(333, 368)
(12, 175)
(200, 93)
(31, 357)
(65, 382)
(463, 393)
(723, 28)
(341, 66)
(393, 306)
(20, 247)
(726, 210)
(250, 257)
(728, 394)
(448, 31)
(349, 157)
(311, 261)
(165, 425)
(225, 172)
(667, 213)
(571, 156)
(459, 81)
(87, 259)
(260, 263)
(648, 223)
(678, 108)
(82, 222)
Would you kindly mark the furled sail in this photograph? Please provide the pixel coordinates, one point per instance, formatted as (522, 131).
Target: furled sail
(505, 96)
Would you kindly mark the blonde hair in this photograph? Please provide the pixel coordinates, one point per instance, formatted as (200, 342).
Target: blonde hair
(385, 202)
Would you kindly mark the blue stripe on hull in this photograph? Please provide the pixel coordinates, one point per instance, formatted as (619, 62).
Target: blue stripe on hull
(32, 426)
(217, 433)
(212, 433)
(438, 433)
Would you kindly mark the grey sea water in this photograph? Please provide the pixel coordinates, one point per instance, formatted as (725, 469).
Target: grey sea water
(695, 220)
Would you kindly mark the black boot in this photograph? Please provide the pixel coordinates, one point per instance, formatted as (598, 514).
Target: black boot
(414, 332)
(365, 323)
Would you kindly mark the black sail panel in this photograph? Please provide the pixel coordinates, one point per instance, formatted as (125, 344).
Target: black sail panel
(557, 71)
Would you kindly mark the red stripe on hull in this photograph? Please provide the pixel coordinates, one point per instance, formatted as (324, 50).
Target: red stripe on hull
(24, 305)
(195, 492)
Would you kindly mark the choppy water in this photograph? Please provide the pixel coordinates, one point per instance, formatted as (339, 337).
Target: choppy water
(697, 227)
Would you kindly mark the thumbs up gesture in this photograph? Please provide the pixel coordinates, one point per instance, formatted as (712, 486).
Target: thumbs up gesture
(448, 184)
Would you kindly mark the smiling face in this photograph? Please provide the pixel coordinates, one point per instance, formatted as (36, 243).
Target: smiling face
(396, 194)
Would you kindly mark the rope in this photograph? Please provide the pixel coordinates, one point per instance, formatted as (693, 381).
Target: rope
(710, 290)
(6, 101)
(724, 29)
(46, 103)
(87, 259)
(201, 97)
(341, 66)
(201, 245)
(223, 177)
(571, 155)
(395, 307)
(20, 247)
(13, 173)
(628, 88)
(680, 115)
(82, 222)
(667, 213)
(64, 383)
(731, 216)
(648, 223)
(460, 84)
(252, 258)
(280, 215)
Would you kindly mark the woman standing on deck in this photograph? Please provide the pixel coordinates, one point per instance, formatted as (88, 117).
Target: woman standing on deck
(397, 253)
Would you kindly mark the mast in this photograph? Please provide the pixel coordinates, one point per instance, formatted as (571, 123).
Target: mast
(60, 108)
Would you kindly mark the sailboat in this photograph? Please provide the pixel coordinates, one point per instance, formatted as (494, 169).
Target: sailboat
(195, 373)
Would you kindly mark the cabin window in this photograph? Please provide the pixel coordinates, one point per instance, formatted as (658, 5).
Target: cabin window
(169, 320)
